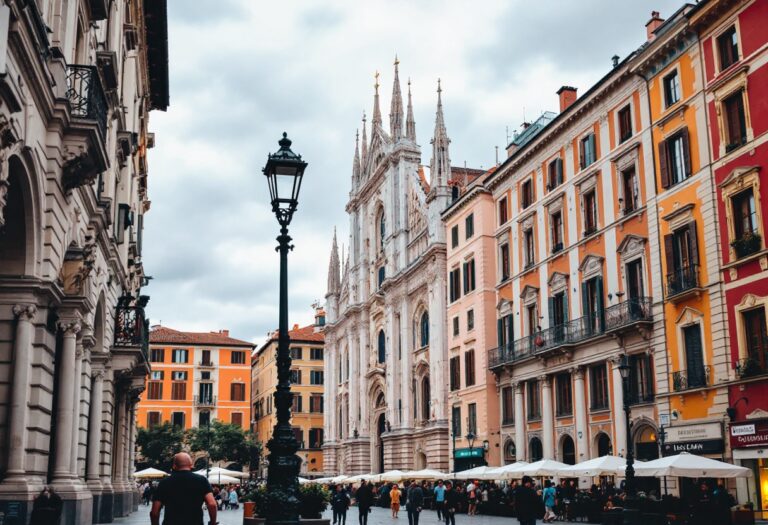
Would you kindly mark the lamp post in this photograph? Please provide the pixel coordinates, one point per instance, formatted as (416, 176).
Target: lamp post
(470, 437)
(662, 438)
(284, 172)
(631, 513)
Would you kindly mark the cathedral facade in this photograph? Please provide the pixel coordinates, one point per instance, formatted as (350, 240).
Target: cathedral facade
(386, 352)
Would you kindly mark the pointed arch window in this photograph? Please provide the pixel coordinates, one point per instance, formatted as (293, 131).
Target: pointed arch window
(382, 223)
(382, 347)
(424, 332)
(425, 398)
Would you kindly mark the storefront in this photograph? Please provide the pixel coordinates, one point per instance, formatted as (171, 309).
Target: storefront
(749, 441)
(467, 458)
(702, 439)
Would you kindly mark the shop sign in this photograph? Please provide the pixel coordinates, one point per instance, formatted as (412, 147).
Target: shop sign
(752, 434)
(707, 446)
(687, 433)
(468, 453)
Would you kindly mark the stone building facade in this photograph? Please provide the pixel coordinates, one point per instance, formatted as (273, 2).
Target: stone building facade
(79, 79)
(386, 352)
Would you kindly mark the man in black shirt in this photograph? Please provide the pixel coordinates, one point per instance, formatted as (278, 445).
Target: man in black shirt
(526, 503)
(183, 494)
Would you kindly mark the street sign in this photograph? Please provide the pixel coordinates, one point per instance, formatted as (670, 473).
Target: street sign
(468, 453)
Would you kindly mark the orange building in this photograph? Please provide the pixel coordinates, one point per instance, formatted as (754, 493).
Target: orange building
(307, 379)
(196, 377)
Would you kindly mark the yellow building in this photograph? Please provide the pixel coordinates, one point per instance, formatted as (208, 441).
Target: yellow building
(307, 376)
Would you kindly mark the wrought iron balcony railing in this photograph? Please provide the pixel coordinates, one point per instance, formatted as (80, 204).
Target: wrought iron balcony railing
(205, 401)
(750, 367)
(206, 364)
(629, 312)
(688, 379)
(683, 279)
(86, 95)
(131, 324)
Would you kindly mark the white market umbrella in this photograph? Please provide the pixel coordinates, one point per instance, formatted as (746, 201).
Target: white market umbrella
(686, 465)
(393, 476)
(150, 473)
(304, 481)
(358, 478)
(338, 479)
(215, 471)
(508, 472)
(483, 473)
(220, 479)
(602, 466)
(425, 474)
(323, 480)
(544, 467)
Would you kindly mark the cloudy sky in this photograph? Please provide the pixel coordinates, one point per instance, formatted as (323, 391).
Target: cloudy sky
(244, 71)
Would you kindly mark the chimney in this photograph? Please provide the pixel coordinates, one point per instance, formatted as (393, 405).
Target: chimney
(295, 327)
(567, 97)
(653, 24)
(225, 333)
(615, 60)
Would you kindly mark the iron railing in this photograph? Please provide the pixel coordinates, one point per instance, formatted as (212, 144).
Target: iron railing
(86, 95)
(688, 379)
(750, 367)
(631, 311)
(131, 324)
(683, 279)
(206, 364)
(204, 401)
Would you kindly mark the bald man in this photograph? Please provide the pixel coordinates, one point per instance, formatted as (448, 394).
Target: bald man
(183, 494)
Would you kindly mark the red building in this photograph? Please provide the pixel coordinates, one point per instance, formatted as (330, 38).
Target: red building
(734, 48)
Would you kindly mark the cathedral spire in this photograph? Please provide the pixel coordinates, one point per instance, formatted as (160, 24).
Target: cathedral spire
(356, 160)
(440, 169)
(364, 154)
(410, 123)
(376, 122)
(334, 277)
(396, 110)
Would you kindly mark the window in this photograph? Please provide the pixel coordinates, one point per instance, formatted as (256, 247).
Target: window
(735, 121)
(205, 393)
(640, 379)
(316, 354)
(555, 173)
(563, 394)
(154, 390)
(382, 229)
(315, 377)
(472, 418)
(504, 259)
(205, 357)
(424, 329)
(696, 373)
(469, 226)
(156, 375)
(382, 346)
(558, 313)
(426, 399)
(635, 287)
(454, 193)
(503, 211)
(532, 318)
(728, 48)
(237, 358)
(625, 123)
(236, 418)
(455, 285)
(469, 276)
(587, 151)
(530, 249)
(316, 403)
(179, 375)
(237, 391)
(629, 200)
(671, 88)
(298, 435)
(157, 355)
(315, 438)
(598, 387)
(681, 253)
(180, 356)
(535, 450)
(381, 276)
(296, 353)
(177, 419)
(592, 304)
(296, 403)
(505, 331)
(510, 452)
(470, 320)
(590, 212)
(455, 236)
(757, 343)
(556, 231)
(469, 368)
(507, 406)
(295, 376)
(153, 419)
(456, 325)
(675, 159)
(455, 370)
(204, 418)
(526, 194)
(456, 420)
(534, 401)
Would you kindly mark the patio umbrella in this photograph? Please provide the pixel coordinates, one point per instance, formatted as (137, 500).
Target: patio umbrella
(602, 466)
(338, 479)
(508, 472)
(224, 472)
(425, 474)
(685, 465)
(305, 481)
(484, 473)
(150, 473)
(358, 478)
(393, 476)
(220, 479)
(544, 467)
(322, 481)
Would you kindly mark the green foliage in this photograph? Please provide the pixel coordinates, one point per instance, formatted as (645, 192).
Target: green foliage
(276, 502)
(222, 442)
(313, 500)
(159, 443)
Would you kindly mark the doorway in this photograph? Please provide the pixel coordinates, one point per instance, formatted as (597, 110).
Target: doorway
(381, 427)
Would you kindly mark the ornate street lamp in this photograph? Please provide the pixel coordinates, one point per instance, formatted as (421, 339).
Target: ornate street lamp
(631, 513)
(284, 171)
(470, 437)
(662, 435)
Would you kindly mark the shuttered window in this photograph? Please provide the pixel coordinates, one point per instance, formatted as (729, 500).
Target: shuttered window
(735, 121)
(507, 405)
(178, 390)
(469, 368)
(625, 123)
(455, 372)
(154, 390)
(237, 419)
(555, 174)
(728, 48)
(237, 391)
(675, 159)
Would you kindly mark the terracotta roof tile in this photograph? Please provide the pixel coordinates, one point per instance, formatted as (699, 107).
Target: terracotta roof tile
(163, 334)
(305, 334)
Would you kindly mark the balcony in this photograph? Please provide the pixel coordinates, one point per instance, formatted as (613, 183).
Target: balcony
(750, 367)
(84, 137)
(682, 282)
(630, 313)
(206, 364)
(690, 379)
(131, 325)
(557, 248)
(204, 401)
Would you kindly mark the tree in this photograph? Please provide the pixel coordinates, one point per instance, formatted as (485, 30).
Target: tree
(159, 443)
(222, 441)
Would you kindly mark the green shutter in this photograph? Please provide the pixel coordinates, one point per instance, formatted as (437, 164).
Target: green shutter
(600, 306)
(500, 331)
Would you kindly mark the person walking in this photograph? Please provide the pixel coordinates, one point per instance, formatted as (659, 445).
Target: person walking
(526, 502)
(182, 494)
(451, 504)
(364, 502)
(46, 509)
(234, 503)
(414, 503)
(548, 496)
(224, 503)
(394, 500)
(340, 504)
(439, 491)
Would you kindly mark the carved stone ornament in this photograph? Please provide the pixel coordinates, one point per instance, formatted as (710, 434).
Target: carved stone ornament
(558, 282)
(9, 144)
(530, 294)
(528, 222)
(591, 266)
(69, 327)
(78, 265)
(631, 245)
(80, 169)
(25, 312)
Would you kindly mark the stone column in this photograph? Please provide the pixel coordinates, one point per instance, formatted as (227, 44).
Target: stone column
(65, 413)
(438, 351)
(131, 452)
(126, 470)
(520, 444)
(354, 380)
(547, 418)
(17, 429)
(364, 352)
(405, 363)
(390, 363)
(619, 424)
(117, 436)
(582, 439)
(94, 429)
(77, 386)
(332, 369)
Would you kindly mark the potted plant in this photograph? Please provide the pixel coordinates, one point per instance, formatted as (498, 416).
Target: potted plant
(313, 500)
(748, 244)
(744, 514)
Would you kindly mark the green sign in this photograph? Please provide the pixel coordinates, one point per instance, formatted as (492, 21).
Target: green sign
(468, 453)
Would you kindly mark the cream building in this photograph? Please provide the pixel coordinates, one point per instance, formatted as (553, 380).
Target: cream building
(386, 352)
(77, 82)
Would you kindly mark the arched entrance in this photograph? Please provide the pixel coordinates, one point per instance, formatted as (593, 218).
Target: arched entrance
(646, 444)
(421, 460)
(510, 452)
(16, 237)
(567, 450)
(535, 450)
(381, 427)
(603, 444)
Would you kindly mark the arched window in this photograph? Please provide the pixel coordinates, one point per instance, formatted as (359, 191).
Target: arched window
(382, 347)
(454, 193)
(510, 452)
(536, 450)
(568, 451)
(424, 332)
(382, 222)
(603, 445)
(425, 397)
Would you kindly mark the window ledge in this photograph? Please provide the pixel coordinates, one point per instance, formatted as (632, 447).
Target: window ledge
(601, 410)
(727, 74)
(671, 112)
(743, 260)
